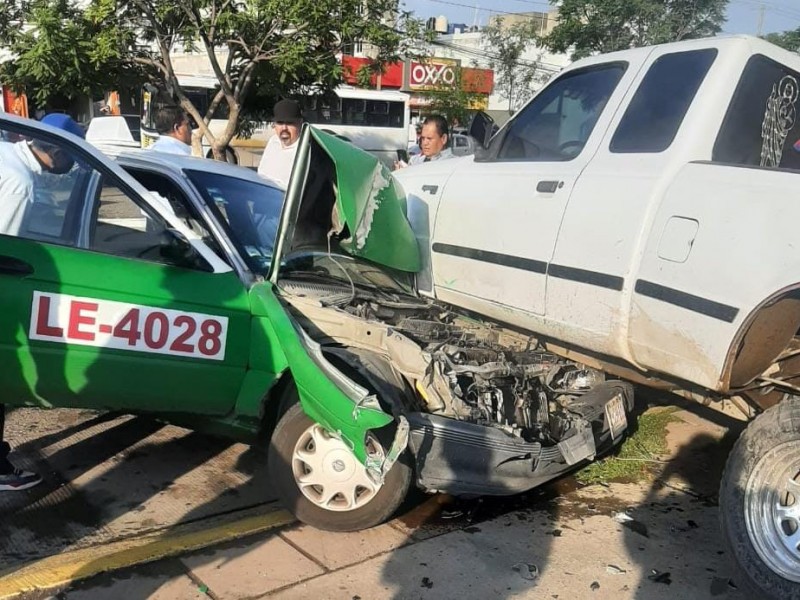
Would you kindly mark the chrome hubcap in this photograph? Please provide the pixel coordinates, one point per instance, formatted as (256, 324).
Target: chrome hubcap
(772, 509)
(328, 473)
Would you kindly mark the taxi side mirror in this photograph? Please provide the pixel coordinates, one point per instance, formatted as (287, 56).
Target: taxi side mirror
(179, 251)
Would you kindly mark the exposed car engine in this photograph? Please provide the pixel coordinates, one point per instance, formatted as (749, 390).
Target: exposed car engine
(452, 365)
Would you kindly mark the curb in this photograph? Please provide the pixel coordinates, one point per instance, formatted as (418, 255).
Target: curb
(59, 571)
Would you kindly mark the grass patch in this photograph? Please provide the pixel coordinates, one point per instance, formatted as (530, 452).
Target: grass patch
(637, 457)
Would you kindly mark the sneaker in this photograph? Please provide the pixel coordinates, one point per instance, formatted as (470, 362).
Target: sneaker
(18, 479)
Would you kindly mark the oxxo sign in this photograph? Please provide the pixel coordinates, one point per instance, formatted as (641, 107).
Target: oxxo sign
(432, 74)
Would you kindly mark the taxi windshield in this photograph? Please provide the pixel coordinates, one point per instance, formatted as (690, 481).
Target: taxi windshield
(249, 210)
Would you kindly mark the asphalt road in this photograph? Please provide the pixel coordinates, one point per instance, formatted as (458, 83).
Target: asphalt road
(115, 480)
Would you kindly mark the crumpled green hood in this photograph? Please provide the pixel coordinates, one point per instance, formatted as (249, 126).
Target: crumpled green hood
(371, 204)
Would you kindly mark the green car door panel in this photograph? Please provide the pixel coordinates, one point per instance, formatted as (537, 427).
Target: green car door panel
(267, 364)
(80, 328)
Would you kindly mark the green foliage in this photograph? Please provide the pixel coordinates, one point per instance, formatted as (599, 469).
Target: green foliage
(258, 50)
(514, 76)
(56, 51)
(590, 26)
(638, 454)
(790, 40)
(452, 101)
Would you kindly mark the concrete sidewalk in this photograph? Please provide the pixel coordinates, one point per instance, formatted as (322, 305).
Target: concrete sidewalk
(567, 548)
(120, 490)
(623, 541)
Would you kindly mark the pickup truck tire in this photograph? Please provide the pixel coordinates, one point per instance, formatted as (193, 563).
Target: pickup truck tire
(760, 503)
(323, 484)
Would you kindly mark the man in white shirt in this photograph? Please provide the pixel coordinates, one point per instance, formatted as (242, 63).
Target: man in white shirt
(278, 158)
(174, 130)
(20, 164)
(432, 141)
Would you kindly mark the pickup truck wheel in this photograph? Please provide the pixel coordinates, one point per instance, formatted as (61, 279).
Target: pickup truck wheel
(323, 484)
(760, 503)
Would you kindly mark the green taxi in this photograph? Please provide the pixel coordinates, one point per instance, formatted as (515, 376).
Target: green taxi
(201, 294)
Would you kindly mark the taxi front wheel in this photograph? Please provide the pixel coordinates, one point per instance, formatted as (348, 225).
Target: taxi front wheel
(323, 484)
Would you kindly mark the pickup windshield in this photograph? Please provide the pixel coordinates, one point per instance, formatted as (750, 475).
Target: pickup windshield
(556, 124)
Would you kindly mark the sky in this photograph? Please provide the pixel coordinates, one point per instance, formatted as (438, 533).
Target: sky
(743, 15)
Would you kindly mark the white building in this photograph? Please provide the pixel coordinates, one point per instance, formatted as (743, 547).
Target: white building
(471, 50)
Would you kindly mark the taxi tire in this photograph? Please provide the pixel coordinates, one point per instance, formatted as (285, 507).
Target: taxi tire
(389, 498)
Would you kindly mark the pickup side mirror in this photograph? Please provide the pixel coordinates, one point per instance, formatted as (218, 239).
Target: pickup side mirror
(481, 128)
(178, 251)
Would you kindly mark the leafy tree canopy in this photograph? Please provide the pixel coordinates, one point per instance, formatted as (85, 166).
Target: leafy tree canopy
(786, 39)
(454, 102)
(258, 50)
(54, 51)
(590, 26)
(506, 46)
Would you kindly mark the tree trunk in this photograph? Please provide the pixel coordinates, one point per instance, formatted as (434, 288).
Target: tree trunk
(197, 143)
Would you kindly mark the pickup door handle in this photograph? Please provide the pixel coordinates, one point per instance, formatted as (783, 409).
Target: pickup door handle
(548, 187)
(14, 266)
(431, 189)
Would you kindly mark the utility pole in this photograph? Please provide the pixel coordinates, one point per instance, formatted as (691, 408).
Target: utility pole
(761, 10)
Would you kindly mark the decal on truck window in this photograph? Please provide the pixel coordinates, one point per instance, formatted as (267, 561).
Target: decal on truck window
(779, 119)
(123, 326)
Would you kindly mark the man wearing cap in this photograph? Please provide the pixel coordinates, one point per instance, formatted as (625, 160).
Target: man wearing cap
(20, 164)
(278, 158)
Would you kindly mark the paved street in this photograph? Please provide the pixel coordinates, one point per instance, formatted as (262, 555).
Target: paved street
(637, 540)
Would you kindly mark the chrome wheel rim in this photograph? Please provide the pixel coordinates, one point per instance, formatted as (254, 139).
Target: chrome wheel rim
(328, 473)
(772, 509)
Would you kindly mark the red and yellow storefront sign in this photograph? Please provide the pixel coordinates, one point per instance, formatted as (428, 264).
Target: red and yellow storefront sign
(422, 75)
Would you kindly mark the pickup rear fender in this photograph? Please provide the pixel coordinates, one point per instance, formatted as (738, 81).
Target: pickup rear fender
(763, 335)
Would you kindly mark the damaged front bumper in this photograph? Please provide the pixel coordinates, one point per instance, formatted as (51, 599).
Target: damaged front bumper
(463, 458)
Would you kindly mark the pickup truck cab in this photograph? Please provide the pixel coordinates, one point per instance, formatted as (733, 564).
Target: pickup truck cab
(640, 215)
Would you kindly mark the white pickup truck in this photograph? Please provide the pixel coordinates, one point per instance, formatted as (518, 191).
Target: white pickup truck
(640, 214)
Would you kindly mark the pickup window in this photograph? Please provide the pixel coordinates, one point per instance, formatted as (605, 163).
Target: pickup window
(557, 123)
(656, 112)
(761, 127)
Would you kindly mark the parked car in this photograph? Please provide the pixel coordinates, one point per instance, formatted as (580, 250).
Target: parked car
(639, 215)
(194, 292)
(115, 133)
(462, 145)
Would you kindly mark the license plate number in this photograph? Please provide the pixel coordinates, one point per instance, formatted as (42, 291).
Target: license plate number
(616, 417)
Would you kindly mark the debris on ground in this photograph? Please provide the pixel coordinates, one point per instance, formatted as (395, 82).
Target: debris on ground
(629, 522)
(719, 586)
(622, 517)
(426, 583)
(526, 570)
(659, 577)
(595, 586)
(615, 570)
